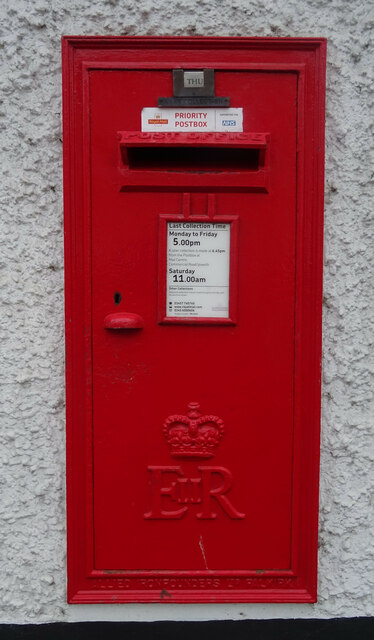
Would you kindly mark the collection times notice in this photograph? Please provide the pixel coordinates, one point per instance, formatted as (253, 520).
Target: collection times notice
(198, 270)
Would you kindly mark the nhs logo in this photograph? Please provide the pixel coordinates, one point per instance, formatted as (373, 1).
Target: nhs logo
(229, 119)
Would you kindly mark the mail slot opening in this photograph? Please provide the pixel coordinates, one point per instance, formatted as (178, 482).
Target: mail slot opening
(193, 159)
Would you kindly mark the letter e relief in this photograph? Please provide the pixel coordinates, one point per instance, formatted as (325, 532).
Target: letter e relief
(159, 491)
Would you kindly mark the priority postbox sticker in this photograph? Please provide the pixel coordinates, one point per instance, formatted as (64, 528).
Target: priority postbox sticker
(187, 120)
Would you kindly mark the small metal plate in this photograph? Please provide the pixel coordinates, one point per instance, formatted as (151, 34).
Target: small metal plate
(193, 83)
(195, 101)
(193, 79)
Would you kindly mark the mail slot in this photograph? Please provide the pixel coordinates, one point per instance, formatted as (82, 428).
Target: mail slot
(227, 159)
(193, 216)
(193, 152)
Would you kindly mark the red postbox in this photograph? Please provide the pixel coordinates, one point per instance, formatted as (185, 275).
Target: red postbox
(193, 208)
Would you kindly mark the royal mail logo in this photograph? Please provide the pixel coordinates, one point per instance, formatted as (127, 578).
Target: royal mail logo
(193, 436)
(158, 120)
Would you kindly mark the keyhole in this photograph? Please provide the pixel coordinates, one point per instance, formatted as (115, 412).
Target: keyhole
(117, 298)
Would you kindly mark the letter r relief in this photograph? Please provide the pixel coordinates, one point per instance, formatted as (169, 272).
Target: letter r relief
(217, 493)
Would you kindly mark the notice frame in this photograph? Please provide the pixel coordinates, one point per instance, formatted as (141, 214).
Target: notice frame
(163, 317)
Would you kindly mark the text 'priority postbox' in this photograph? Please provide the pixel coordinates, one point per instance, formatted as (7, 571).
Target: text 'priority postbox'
(193, 218)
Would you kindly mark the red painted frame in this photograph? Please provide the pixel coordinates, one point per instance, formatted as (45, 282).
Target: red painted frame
(306, 57)
(233, 275)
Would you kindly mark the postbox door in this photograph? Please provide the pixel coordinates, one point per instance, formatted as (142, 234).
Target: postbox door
(161, 389)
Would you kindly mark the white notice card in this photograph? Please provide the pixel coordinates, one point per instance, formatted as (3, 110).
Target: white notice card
(198, 270)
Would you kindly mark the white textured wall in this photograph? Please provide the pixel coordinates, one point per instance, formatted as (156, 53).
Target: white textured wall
(32, 514)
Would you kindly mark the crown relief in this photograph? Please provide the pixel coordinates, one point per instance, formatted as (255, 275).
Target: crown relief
(193, 435)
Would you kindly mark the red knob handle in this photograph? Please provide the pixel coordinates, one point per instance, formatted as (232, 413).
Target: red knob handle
(123, 321)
